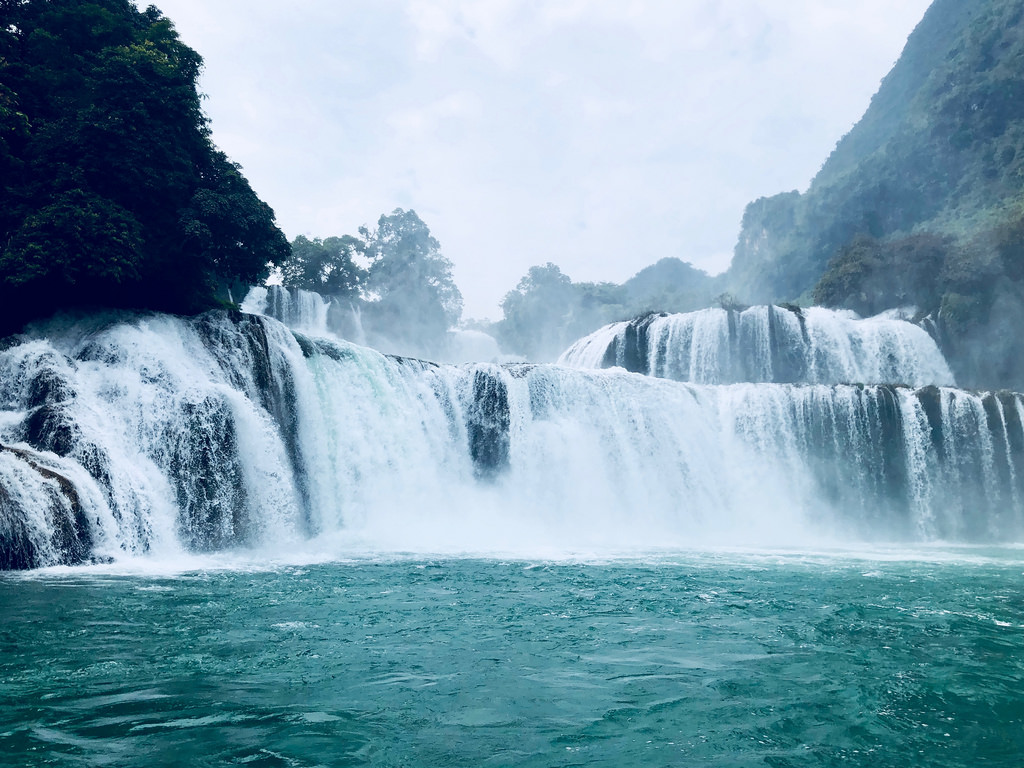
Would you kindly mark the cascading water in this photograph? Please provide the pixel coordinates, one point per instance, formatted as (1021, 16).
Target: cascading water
(302, 310)
(160, 435)
(767, 344)
(318, 315)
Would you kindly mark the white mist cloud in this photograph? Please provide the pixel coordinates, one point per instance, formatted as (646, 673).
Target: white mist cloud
(598, 134)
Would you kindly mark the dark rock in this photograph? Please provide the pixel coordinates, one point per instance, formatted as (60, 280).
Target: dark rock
(205, 471)
(789, 356)
(17, 551)
(52, 428)
(305, 344)
(70, 534)
(241, 343)
(487, 423)
(888, 429)
(48, 382)
(632, 350)
(931, 402)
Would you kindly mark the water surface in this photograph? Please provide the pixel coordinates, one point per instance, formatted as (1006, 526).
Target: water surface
(695, 659)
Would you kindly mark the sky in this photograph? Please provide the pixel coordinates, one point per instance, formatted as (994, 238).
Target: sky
(601, 135)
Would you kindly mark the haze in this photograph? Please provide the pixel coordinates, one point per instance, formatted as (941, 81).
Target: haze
(601, 135)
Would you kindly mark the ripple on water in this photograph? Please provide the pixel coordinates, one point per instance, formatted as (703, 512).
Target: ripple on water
(791, 661)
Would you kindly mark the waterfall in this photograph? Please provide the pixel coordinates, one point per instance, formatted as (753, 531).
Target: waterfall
(471, 346)
(767, 344)
(317, 315)
(156, 435)
(183, 427)
(303, 310)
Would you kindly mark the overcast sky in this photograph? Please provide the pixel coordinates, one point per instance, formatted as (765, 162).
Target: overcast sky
(601, 135)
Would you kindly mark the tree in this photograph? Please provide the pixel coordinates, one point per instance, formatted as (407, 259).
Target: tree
(415, 297)
(869, 275)
(850, 276)
(1009, 244)
(114, 194)
(78, 239)
(326, 266)
(536, 313)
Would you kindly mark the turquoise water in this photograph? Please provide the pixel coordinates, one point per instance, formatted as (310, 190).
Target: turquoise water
(695, 659)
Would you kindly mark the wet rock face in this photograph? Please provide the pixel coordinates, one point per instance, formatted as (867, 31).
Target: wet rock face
(52, 425)
(630, 350)
(72, 536)
(28, 488)
(252, 363)
(208, 478)
(184, 437)
(487, 424)
(49, 385)
(931, 403)
(53, 428)
(48, 395)
(788, 354)
(18, 551)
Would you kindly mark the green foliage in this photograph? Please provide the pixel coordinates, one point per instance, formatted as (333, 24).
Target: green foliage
(869, 275)
(1009, 245)
(406, 296)
(922, 202)
(407, 267)
(113, 193)
(228, 233)
(76, 241)
(327, 266)
(938, 151)
(537, 313)
(960, 313)
(956, 282)
(669, 285)
(410, 281)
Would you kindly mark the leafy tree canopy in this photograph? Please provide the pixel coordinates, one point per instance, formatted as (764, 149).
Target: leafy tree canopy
(415, 294)
(114, 194)
(954, 280)
(393, 275)
(326, 266)
(407, 265)
(869, 275)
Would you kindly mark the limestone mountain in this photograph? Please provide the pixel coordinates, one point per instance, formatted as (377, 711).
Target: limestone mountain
(922, 202)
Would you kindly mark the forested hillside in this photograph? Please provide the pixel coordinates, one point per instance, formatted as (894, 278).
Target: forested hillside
(923, 201)
(113, 192)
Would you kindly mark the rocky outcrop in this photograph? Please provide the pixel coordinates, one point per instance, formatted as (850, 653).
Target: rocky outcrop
(487, 423)
(29, 489)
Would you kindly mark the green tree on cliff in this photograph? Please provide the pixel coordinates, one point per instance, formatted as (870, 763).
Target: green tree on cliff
(113, 192)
